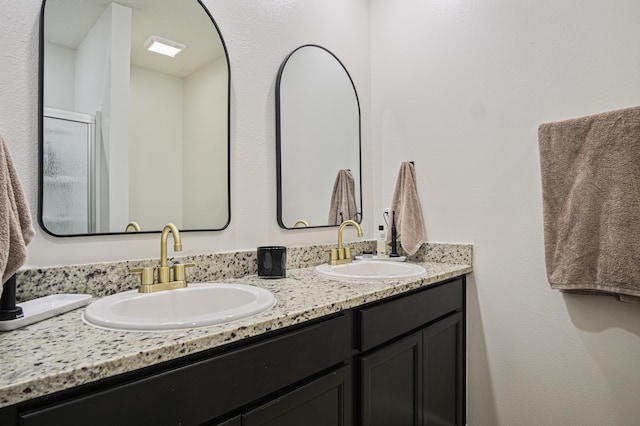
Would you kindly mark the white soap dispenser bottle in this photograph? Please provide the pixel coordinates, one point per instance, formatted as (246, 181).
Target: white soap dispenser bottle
(382, 243)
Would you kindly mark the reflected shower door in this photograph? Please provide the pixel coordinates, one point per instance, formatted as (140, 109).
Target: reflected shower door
(68, 172)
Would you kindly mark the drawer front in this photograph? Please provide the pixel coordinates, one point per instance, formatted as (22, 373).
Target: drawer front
(388, 320)
(205, 390)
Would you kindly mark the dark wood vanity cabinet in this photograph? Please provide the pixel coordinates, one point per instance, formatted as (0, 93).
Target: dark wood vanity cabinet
(324, 401)
(416, 378)
(210, 388)
(444, 364)
(397, 361)
(392, 384)
(236, 421)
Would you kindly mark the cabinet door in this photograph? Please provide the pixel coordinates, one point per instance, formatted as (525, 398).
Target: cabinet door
(444, 373)
(392, 384)
(323, 402)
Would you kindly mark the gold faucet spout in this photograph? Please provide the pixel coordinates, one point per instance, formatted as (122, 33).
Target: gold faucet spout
(177, 243)
(133, 226)
(164, 282)
(345, 224)
(342, 254)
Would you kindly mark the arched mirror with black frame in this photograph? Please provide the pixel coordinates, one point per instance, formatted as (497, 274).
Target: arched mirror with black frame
(134, 117)
(317, 141)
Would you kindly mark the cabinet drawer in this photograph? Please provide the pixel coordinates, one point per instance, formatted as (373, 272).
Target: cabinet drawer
(202, 391)
(383, 322)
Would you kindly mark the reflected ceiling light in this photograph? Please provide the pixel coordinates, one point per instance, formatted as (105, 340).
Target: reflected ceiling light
(163, 46)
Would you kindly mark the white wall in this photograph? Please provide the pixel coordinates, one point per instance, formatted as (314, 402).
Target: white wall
(119, 116)
(59, 83)
(155, 151)
(205, 148)
(102, 85)
(259, 35)
(177, 148)
(92, 72)
(460, 88)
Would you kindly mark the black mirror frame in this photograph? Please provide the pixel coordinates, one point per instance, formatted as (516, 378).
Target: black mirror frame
(279, 140)
(41, 136)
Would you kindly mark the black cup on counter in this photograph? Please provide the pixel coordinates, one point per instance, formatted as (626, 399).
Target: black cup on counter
(272, 262)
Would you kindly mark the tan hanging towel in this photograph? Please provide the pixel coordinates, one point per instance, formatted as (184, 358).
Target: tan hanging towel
(408, 213)
(591, 203)
(343, 199)
(16, 230)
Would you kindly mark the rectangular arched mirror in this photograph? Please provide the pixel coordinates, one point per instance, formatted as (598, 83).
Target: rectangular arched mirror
(129, 135)
(317, 141)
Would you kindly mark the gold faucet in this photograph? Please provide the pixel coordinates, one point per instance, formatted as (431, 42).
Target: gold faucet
(164, 272)
(342, 255)
(132, 226)
(301, 222)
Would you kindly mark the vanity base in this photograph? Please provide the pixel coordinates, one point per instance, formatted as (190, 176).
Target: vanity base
(339, 369)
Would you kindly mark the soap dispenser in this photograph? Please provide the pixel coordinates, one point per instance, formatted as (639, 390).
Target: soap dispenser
(382, 243)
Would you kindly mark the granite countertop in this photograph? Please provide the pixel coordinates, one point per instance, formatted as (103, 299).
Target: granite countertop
(64, 352)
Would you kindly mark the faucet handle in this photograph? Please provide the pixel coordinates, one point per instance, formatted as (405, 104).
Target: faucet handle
(179, 270)
(333, 254)
(146, 274)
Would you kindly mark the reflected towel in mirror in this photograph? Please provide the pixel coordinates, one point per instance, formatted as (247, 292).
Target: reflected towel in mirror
(343, 200)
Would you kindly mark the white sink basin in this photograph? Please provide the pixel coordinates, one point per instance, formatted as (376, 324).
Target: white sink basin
(195, 306)
(371, 270)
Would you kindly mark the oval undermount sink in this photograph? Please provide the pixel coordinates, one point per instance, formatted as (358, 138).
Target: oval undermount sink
(195, 306)
(371, 270)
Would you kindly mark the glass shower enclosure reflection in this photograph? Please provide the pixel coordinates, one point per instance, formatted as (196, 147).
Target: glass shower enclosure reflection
(70, 175)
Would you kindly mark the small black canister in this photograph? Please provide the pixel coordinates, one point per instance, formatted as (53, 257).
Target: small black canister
(272, 262)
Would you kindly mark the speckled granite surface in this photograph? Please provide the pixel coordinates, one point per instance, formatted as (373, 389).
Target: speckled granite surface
(64, 352)
(103, 279)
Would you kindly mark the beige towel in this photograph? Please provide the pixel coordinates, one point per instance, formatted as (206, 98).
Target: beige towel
(410, 228)
(343, 199)
(16, 230)
(591, 203)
